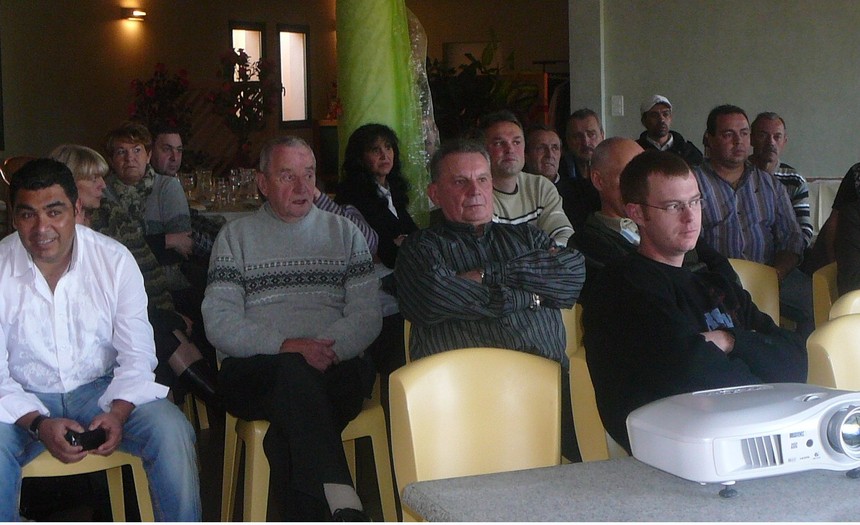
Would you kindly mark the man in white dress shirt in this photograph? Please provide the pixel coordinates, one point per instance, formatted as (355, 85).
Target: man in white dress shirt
(77, 351)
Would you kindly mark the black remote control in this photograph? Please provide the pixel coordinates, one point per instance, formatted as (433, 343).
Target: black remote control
(88, 440)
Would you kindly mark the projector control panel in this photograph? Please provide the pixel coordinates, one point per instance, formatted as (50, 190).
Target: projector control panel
(803, 445)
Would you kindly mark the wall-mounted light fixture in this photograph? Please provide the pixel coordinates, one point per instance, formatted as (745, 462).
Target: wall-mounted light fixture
(134, 13)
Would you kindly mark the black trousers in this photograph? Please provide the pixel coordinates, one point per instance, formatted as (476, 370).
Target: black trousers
(308, 410)
(569, 446)
(164, 322)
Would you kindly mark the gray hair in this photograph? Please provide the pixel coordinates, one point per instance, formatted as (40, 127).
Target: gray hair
(768, 115)
(452, 147)
(290, 141)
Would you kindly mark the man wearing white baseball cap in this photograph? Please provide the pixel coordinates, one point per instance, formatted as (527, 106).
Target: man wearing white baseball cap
(656, 113)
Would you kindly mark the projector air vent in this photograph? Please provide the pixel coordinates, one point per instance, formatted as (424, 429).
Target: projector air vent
(763, 451)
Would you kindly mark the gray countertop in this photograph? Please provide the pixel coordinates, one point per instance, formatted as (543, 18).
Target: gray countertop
(628, 490)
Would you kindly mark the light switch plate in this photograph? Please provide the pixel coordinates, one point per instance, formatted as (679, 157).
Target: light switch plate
(617, 105)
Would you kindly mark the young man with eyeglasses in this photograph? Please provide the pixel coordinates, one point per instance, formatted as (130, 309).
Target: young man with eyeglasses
(655, 328)
(608, 234)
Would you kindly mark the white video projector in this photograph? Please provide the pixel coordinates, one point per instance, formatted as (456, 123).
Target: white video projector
(732, 434)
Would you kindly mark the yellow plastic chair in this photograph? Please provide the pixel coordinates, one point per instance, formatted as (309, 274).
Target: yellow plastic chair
(572, 319)
(590, 434)
(370, 422)
(761, 281)
(834, 353)
(474, 411)
(847, 304)
(824, 293)
(47, 466)
(194, 409)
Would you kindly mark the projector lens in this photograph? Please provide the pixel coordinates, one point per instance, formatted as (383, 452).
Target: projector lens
(843, 431)
(851, 430)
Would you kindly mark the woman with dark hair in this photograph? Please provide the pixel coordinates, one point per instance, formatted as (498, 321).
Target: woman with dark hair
(372, 182)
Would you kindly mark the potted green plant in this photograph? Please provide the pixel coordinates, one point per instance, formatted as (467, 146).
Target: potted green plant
(462, 94)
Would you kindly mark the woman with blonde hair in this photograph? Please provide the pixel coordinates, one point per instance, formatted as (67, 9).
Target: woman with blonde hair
(89, 169)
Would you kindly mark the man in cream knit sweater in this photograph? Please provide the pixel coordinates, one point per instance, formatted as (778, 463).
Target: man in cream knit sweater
(520, 197)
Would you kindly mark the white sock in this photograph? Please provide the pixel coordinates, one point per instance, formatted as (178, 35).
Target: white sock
(341, 496)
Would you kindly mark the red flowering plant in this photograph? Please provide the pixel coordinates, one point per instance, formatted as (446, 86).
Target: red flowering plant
(161, 99)
(248, 94)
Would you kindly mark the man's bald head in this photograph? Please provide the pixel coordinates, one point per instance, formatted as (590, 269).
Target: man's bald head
(609, 159)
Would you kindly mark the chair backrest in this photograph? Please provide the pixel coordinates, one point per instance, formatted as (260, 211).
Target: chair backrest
(590, 433)
(847, 304)
(762, 283)
(9, 167)
(13, 164)
(834, 353)
(824, 292)
(572, 319)
(474, 411)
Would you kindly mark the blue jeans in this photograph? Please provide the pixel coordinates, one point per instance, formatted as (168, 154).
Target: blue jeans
(157, 432)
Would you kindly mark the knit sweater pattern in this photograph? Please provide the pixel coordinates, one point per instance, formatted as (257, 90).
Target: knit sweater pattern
(535, 201)
(270, 280)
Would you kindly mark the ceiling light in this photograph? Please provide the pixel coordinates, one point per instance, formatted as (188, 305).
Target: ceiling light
(134, 13)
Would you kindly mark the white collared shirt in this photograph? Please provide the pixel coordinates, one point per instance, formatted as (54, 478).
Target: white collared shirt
(662, 147)
(386, 194)
(94, 324)
(622, 225)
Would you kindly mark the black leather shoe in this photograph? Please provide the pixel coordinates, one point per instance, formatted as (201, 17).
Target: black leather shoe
(348, 514)
(202, 381)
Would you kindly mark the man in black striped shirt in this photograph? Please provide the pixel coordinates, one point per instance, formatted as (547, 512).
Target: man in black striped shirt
(468, 281)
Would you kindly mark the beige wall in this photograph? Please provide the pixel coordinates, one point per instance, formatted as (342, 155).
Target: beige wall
(796, 57)
(67, 65)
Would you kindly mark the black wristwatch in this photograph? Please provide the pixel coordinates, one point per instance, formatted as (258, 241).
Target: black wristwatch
(34, 426)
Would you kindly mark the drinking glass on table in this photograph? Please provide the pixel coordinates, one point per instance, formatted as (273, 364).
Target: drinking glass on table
(249, 186)
(204, 186)
(235, 185)
(189, 184)
(223, 193)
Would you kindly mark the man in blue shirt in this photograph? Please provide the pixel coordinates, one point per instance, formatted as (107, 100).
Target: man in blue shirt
(748, 214)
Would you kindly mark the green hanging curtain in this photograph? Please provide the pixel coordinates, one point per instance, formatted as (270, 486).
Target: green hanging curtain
(377, 82)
